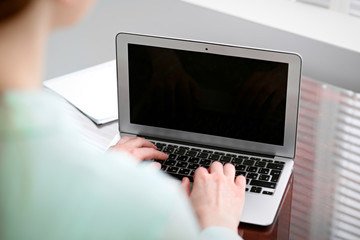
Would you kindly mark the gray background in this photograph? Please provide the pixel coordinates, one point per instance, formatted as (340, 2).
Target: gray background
(93, 41)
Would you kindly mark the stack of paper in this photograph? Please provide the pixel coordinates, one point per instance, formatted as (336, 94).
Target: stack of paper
(93, 91)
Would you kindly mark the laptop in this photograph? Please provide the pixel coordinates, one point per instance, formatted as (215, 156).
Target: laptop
(201, 102)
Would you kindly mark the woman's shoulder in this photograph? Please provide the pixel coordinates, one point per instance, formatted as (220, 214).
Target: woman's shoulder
(32, 111)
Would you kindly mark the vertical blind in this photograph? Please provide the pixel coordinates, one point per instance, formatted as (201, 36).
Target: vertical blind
(339, 216)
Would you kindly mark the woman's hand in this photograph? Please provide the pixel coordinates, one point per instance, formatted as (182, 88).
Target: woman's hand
(139, 148)
(217, 198)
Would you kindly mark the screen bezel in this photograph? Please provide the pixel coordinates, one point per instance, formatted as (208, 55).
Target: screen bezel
(292, 98)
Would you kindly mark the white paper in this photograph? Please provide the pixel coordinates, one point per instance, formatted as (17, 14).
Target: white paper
(93, 91)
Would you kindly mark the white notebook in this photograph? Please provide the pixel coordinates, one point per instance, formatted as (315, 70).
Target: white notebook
(92, 90)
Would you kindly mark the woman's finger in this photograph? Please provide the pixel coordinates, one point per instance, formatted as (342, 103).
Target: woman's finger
(156, 165)
(148, 153)
(185, 185)
(200, 172)
(123, 140)
(229, 170)
(240, 181)
(216, 167)
(137, 142)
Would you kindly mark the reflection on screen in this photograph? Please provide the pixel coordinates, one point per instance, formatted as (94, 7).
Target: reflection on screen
(206, 93)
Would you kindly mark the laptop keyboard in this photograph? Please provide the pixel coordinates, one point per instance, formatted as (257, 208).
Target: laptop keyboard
(262, 174)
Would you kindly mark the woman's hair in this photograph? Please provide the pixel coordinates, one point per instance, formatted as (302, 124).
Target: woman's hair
(10, 8)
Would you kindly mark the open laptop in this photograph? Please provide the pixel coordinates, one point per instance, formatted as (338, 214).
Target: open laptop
(202, 102)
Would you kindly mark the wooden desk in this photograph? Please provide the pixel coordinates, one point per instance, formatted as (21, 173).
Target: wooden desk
(323, 195)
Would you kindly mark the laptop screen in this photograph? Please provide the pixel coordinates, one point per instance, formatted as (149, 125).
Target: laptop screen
(207, 93)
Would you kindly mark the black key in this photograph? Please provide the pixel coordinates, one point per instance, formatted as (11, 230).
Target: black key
(170, 162)
(181, 164)
(252, 169)
(255, 158)
(184, 171)
(279, 162)
(180, 176)
(180, 151)
(237, 160)
(230, 155)
(247, 180)
(267, 193)
(255, 189)
(173, 146)
(164, 167)
(275, 166)
(219, 153)
(243, 157)
(169, 150)
(266, 160)
(194, 160)
(240, 167)
(264, 177)
(193, 166)
(275, 179)
(264, 170)
(172, 170)
(183, 158)
(226, 159)
(275, 172)
(172, 156)
(262, 184)
(191, 153)
(252, 175)
(205, 162)
(203, 155)
(159, 161)
(160, 144)
(206, 151)
(260, 164)
(246, 189)
(249, 162)
(161, 148)
(183, 147)
(196, 149)
(214, 157)
(240, 173)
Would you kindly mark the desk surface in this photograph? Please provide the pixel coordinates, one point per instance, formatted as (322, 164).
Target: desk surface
(323, 197)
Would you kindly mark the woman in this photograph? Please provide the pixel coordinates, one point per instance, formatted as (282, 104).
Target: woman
(54, 186)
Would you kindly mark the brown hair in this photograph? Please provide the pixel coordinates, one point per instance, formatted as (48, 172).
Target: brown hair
(10, 8)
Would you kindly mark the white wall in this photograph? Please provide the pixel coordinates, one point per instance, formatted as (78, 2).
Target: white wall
(92, 41)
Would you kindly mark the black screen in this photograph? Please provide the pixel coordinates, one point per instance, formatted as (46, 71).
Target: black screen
(207, 93)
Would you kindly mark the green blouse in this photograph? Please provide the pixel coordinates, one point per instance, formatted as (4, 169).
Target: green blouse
(54, 186)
